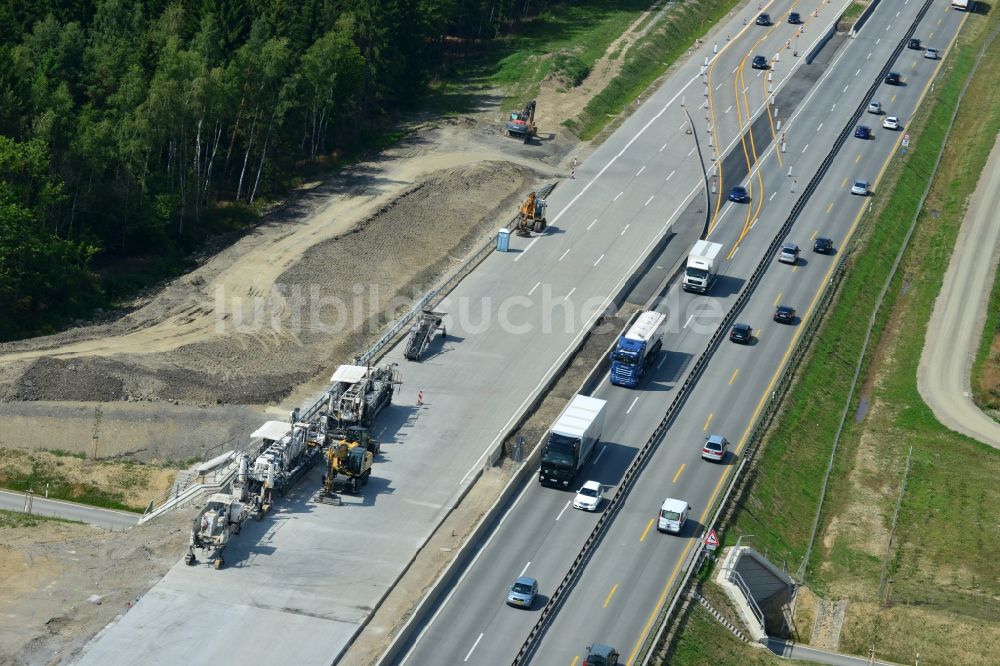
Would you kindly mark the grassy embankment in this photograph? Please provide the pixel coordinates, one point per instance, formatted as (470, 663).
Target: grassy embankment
(986, 367)
(123, 485)
(564, 41)
(648, 60)
(15, 519)
(945, 576)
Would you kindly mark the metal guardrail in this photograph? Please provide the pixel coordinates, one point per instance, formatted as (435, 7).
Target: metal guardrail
(639, 462)
(781, 386)
(737, 579)
(430, 299)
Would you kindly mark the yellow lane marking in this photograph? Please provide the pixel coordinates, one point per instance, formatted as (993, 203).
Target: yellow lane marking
(858, 158)
(575, 660)
(733, 378)
(777, 298)
(893, 99)
(678, 474)
(795, 268)
(813, 237)
(610, 594)
(760, 404)
(843, 184)
(829, 209)
(646, 531)
(708, 420)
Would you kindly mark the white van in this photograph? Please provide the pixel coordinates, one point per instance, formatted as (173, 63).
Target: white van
(673, 515)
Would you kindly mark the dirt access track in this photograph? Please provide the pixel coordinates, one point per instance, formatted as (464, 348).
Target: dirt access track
(281, 305)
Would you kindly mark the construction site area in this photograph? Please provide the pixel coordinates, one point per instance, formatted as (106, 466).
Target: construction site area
(193, 367)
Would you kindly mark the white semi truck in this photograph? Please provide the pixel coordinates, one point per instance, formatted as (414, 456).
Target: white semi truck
(702, 266)
(571, 440)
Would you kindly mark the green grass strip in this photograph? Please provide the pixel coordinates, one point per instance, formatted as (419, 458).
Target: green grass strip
(648, 59)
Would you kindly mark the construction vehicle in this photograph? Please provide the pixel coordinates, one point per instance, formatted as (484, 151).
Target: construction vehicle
(531, 216)
(428, 324)
(636, 349)
(282, 454)
(358, 394)
(214, 526)
(521, 124)
(349, 463)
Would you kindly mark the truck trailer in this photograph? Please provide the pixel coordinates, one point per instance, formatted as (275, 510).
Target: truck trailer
(636, 349)
(571, 440)
(962, 5)
(702, 266)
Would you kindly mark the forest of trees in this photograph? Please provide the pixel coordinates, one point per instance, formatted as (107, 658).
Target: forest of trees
(125, 126)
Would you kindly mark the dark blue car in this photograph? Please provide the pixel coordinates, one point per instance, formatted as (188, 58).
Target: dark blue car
(863, 132)
(739, 194)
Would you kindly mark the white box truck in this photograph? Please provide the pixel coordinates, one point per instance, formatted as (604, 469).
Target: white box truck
(702, 266)
(963, 5)
(571, 440)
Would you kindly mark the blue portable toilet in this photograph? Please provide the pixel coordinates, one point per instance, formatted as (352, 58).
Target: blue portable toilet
(503, 239)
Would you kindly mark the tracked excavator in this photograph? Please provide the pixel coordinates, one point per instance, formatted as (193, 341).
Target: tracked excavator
(531, 216)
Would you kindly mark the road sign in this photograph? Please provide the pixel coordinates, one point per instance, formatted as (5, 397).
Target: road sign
(711, 541)
(906, 140)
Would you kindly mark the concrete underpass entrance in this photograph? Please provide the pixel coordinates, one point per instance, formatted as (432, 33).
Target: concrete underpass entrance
(761, 591)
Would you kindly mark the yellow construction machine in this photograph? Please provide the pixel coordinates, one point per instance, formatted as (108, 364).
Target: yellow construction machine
(349, 461)
(531, 216)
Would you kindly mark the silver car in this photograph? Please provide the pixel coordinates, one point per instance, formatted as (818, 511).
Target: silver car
(522, 592)
(860, 187)
(789, 254)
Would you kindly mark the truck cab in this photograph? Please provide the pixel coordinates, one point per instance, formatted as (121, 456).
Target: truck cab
(571, 441)
(702, 266)
(636, 349)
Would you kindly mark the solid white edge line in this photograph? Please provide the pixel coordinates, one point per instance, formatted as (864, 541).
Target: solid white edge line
(634, 400)
(568, 502)
(526, 248)
(465, 573)
(471, 650)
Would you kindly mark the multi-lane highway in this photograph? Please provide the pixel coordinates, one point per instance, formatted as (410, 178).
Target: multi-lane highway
(627, 579)
(308, 573)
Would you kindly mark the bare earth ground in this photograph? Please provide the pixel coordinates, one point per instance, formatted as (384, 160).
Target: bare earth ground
(62, 582)
(182, 370)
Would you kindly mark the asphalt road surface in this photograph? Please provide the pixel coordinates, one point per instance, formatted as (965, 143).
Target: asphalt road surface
(312, 573)
(40, 506)
(954, 331)
(630, 573)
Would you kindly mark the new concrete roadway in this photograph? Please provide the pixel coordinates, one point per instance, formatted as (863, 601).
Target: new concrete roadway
(299, 585)
(956, 325)
(627, 579)
(92, 515)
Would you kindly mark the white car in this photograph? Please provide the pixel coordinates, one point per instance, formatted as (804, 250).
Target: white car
(860, 187)
(875, 107)
(891, 122)
(588, 497)
(932, 54)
